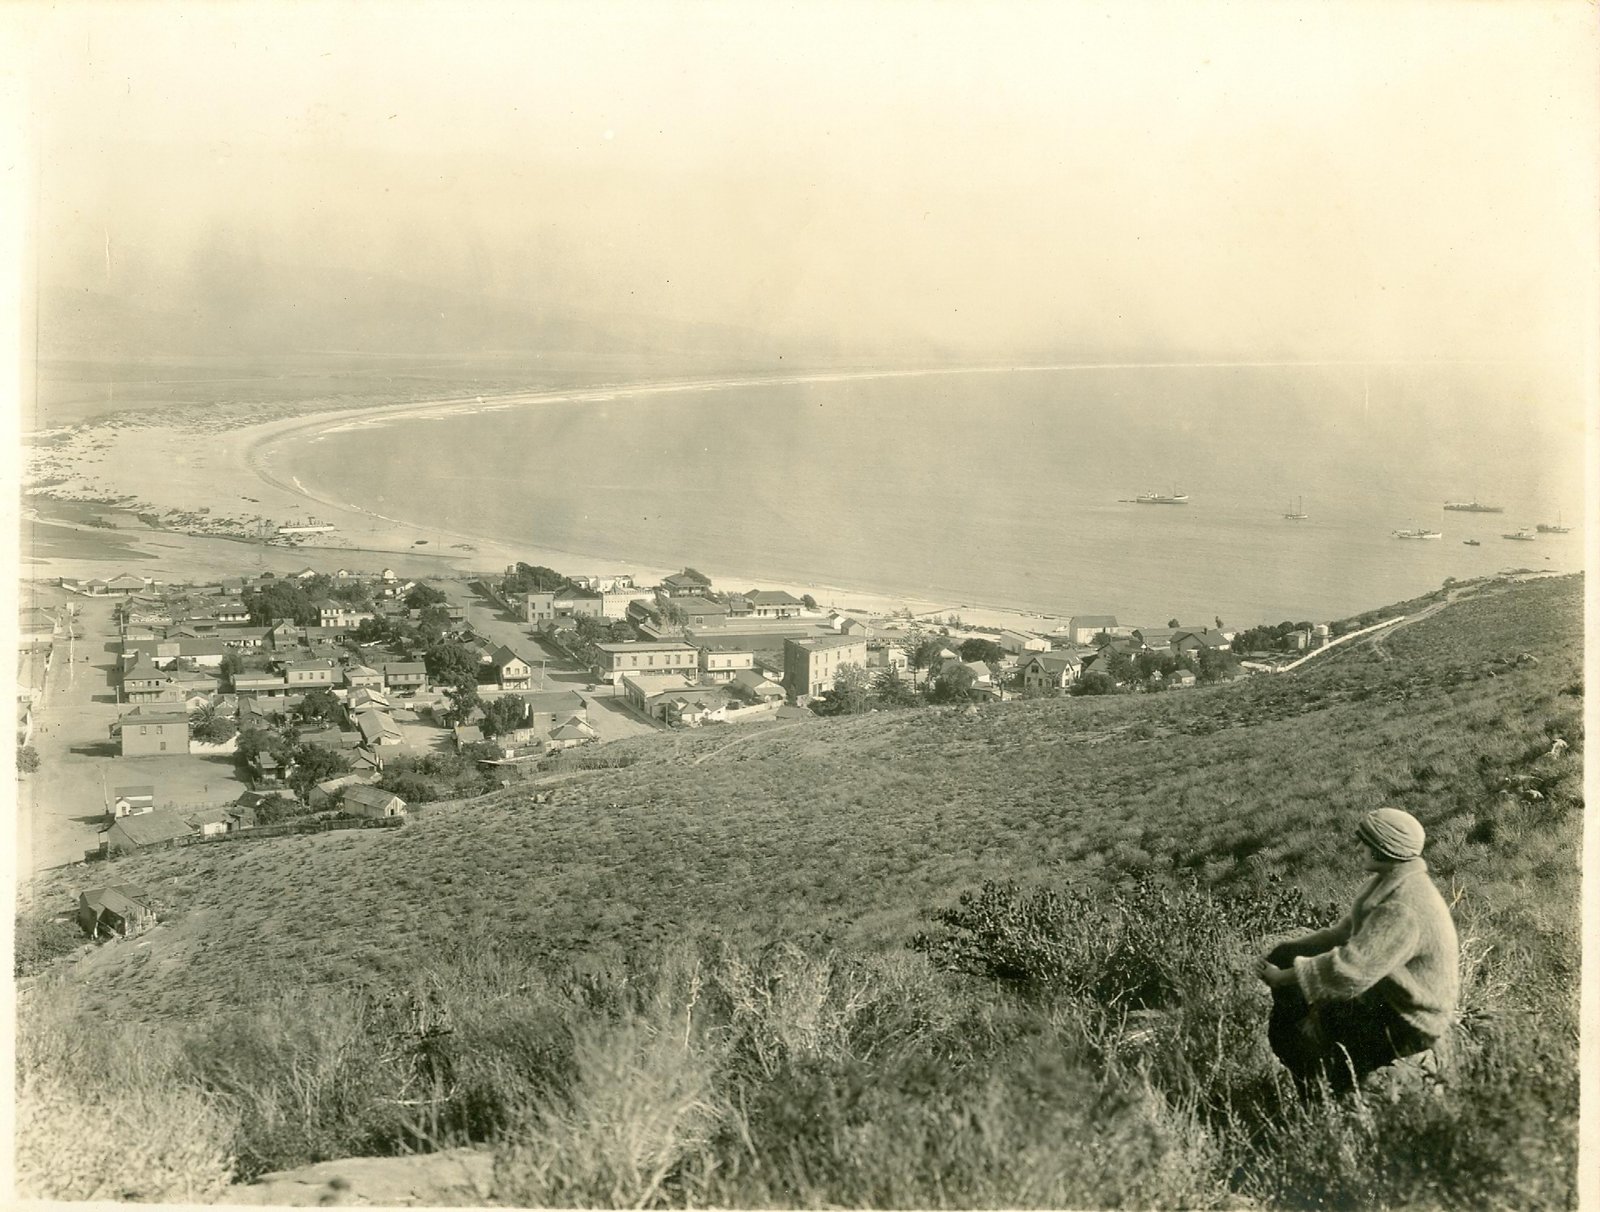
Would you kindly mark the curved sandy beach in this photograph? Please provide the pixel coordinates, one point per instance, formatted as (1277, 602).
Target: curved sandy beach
(221, 472)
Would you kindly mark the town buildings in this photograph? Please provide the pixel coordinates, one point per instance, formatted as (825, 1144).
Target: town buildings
(810, 666)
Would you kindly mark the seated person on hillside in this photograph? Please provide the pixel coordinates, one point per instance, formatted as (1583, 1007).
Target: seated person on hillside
(1379, 984)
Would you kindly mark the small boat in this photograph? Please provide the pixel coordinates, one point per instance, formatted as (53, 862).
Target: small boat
(1162, 498)
(1555, 528)
(1472, 542)
(1297, 511)
(1473, 506)
(1521, 536)
(1416, 533)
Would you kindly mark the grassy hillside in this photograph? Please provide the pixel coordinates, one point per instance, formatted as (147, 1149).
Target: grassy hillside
(708, 951)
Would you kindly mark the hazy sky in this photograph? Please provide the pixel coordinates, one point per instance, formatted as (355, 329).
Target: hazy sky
(1339, 180)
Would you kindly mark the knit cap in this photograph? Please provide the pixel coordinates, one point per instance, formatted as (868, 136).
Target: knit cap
(1393, 833)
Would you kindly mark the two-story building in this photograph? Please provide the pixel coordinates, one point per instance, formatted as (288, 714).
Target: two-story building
(774, 604)
(571, 602)
(361, 677)
(689, 581)
(511, 672)
(258, 682)
(149, 731)
(722, 664)
(340, 616)
(1051, 672)
(810, 666)
(645, 656)
(538, 607)
(310, 675)
(405, 677)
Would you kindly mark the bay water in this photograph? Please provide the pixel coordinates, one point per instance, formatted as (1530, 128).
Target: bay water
(1012, 489)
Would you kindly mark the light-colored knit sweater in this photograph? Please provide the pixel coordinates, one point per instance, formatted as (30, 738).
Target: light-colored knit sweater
(1399, 940)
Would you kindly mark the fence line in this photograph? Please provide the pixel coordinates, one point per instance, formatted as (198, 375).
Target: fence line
(286, 828)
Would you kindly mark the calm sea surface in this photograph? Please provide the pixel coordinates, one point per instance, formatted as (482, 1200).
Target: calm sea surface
(1010, 489)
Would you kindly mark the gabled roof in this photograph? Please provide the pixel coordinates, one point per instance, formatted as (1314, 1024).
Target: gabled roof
(151, 828)
(686, 578)
(124, 900)
(1093, 620)
(1055, 662)
(371, 797)
(374, 724)
(404, 667)
(1207, 636)
(503, 656)
(772, 597)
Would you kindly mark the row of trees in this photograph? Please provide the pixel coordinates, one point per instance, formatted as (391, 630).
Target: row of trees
(308, 764)
(857, 689)
(532, 578)
(1268, 638)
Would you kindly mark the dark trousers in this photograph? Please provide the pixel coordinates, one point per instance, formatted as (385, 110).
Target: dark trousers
(1341, 1041)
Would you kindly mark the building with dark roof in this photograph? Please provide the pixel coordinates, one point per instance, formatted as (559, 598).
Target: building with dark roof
(120, 910)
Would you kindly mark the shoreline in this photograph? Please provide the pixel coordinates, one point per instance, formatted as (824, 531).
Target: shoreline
(213, 456)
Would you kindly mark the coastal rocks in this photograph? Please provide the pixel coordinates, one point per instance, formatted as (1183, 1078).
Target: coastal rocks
(453, 1178)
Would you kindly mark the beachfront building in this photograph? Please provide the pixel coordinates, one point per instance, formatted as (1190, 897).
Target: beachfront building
(811, 665)
(1082, 628)
(683, 584)
(696, 610)
(774, 604)
(644, 656)
(1016, 643)
(610, 582)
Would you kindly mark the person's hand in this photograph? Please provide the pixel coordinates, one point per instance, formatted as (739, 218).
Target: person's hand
(1272, 976)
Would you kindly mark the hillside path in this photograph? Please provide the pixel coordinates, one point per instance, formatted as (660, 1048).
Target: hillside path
(744, 740)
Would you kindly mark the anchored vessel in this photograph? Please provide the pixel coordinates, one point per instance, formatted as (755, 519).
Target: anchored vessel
(1472, 542)
(1522, 536)
(1415, 533)
(1553, 528)
(1473, 506)
(1162, 498)
(1297, 511)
